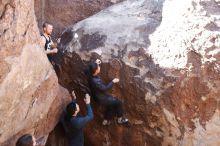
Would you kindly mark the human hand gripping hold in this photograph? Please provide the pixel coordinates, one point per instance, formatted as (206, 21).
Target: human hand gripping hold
(58, 40)
(98, 61)
(115, 80)
(54, 47)
(74, 95)
(87, 99)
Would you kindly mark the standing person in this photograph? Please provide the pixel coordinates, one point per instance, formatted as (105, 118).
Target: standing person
(99, 91)
(49, 46)
(73, 123)
(26, 140)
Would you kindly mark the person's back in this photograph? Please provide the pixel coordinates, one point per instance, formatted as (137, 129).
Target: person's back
(74, 124)
(98, 88)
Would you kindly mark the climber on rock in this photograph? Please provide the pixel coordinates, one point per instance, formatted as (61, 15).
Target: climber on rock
(26, 140)
(113, 105)
(73, 123)
(49, 45)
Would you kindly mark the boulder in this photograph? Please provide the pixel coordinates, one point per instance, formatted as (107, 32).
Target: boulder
(31, 98)
(166, 54)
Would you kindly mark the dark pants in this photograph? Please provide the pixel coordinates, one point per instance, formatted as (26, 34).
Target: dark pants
(113, 107)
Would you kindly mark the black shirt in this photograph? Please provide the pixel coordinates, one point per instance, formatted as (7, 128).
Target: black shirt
(48, 43)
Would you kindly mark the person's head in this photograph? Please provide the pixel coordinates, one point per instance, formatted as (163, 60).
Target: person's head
(94, 69)
(47, 28)
(26, 140)
(72, 109)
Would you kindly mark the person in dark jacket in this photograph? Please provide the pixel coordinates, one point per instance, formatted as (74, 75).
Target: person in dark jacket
(99, 91)
(73, 123)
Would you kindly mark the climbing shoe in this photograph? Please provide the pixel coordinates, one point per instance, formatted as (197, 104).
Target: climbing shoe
(122, 120)
(106, 122)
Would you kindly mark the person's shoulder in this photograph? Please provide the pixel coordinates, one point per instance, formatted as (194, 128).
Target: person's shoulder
(95, 78)
(74, 118)
(42, 37)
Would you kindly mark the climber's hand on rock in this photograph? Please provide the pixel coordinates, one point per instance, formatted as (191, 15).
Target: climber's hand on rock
(58, 40)
(55, 50)
(98, 61)
(74, 95)
(87, 99)
(76, 36)
(115, 80)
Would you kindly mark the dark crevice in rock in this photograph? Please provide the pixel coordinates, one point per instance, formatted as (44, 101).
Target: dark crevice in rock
(2, 17)
(211, 7)
(212, 27)
(92, 41)
(6, 7)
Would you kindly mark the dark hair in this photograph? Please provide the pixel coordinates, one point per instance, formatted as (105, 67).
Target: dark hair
(45, 24)
(25, 140)
(92, 68)
(71, 109)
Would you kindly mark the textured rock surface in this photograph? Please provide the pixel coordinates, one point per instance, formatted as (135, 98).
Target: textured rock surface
(169, 70)
(62, 13)
(31, 98)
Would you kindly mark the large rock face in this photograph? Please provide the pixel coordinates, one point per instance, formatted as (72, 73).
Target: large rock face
(166, 54)
(62, 13)
(31, 98)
